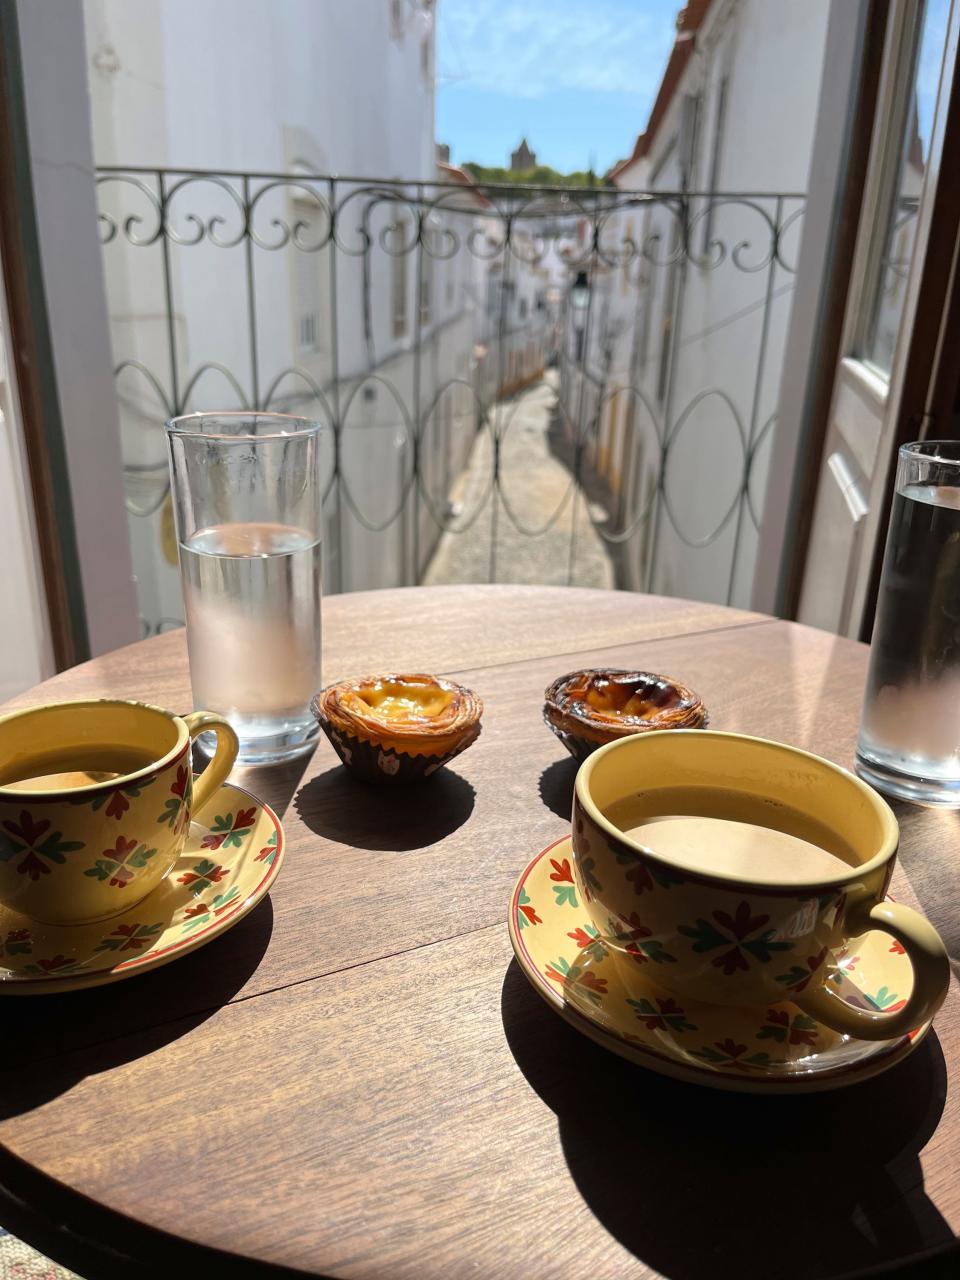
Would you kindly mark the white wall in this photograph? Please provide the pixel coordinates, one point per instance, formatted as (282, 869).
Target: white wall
(771, 57)
(293, 87)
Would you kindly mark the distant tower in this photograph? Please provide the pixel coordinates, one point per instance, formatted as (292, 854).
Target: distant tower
(523, 157)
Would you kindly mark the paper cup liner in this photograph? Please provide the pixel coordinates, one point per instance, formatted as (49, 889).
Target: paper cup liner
(384, 765)
(580, 748)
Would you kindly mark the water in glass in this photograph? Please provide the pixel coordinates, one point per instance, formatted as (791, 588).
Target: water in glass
(910, 733)
(252, 596)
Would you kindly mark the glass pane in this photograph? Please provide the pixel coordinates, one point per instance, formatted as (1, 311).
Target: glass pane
(892, 266)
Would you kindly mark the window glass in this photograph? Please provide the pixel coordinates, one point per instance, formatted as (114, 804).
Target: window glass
(885, 295)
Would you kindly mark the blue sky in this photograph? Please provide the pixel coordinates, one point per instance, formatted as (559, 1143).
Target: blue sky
(576, 77)
(932, 40)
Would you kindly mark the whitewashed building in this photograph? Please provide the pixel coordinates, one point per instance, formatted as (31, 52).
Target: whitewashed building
(208, 314)
(696, 327)
(406, 322)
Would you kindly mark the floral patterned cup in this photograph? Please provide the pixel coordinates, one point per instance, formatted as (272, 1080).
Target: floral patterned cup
(728, 940)
(73, 850)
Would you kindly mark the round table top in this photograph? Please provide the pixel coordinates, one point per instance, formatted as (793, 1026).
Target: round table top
(357, 1081)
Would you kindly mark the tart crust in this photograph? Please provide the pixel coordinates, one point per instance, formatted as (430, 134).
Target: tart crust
(599, 704)
(418, 715)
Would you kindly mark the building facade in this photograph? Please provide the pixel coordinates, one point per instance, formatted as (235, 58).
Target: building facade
(228, 286)
(693, 293)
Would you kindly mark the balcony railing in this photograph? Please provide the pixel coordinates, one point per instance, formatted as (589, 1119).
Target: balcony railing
(414, 318)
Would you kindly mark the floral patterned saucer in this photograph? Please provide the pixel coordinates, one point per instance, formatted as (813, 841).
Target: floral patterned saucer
(767, 1049)
(232, 857)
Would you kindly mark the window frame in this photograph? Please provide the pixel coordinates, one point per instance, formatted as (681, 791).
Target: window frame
(895, 104)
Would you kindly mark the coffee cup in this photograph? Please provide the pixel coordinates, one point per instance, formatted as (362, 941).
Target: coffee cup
(732, 869)
(95, 803)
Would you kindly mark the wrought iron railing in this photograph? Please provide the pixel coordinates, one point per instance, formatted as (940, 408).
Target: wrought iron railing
(410, 316)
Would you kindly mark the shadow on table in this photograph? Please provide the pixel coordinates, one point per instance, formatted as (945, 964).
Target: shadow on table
(928, 838)
(53, 1041)
(103, 1245)
(338, 806)
(273, 784)
(698, 1183)
(556, 786)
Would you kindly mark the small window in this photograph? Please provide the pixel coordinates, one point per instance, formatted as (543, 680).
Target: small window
(309, 331)
(648, 295)
(308, 301)
(425, 58)
(399, 279)
(666, 330)
(396, 19)
(493, 295)
(688, 133)
(627, 255)
(426, 285)
(523, 308)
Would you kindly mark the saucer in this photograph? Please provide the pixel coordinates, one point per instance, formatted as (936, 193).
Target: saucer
(231, 858)
(766, 1049)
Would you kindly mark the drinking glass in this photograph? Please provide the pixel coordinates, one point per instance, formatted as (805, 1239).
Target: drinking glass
(909, 743)
(247, 501)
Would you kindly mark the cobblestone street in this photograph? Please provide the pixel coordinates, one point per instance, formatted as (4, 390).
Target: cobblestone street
(534, 485)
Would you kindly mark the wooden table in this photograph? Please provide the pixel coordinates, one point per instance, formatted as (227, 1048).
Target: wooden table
(357, 1081)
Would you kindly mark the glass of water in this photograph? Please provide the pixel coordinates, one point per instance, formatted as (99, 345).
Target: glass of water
(909, 742)
(247, 499)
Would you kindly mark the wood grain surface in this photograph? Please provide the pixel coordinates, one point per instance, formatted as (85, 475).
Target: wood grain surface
(438, 628)
(356, 1081)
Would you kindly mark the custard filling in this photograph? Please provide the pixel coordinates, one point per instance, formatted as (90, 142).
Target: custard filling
(394, 701)
(596, 704)
(617, 699)
(623, 699)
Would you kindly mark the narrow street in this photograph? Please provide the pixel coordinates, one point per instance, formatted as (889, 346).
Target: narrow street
(534, 484)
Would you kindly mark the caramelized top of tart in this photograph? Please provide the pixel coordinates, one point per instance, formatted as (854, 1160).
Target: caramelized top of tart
(401, 709)
(616, 702)
(400, 699)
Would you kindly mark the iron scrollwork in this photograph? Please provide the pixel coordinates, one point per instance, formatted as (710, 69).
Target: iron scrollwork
(641, 256)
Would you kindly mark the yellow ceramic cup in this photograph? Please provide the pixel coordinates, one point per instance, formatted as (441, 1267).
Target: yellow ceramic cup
(725, 939)
(95, 803)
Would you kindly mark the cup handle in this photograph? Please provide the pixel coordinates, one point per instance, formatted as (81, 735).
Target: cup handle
(215, 774)
(931, 976)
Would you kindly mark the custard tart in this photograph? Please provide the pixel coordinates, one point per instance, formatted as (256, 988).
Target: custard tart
(589, 708)
(398, 728)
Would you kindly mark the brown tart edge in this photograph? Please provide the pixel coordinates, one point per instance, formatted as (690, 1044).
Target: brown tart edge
(582, 728)
(401, 752)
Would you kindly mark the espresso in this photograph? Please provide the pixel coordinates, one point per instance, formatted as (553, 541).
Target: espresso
(68, 768)
(712, 830)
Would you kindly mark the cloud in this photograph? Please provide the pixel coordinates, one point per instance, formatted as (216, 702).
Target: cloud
(528, 48)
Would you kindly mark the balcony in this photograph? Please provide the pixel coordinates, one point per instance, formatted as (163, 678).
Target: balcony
(562, 385)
